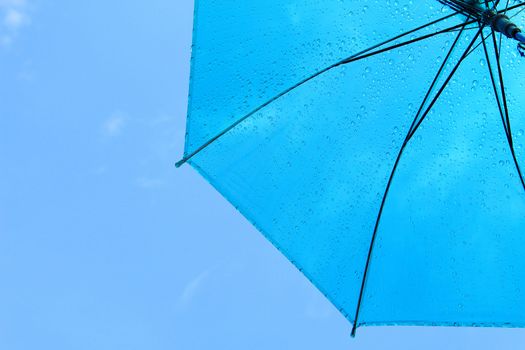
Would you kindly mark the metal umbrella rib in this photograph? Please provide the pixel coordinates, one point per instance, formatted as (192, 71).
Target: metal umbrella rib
(504, 111)
(413, 128)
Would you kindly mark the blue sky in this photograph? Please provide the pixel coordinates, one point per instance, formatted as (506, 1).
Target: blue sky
(103, 243)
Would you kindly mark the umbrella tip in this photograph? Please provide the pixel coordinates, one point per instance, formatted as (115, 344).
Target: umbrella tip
(354, 329)
(180, 162)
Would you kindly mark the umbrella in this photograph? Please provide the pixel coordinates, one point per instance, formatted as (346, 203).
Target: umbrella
(376, 144)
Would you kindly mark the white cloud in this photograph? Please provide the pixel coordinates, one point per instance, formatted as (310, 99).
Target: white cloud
(192, 287)
(14, 14)
(14, 19)
(114, 124)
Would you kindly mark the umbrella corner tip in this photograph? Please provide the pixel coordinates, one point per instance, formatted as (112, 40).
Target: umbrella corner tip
(180, 163)
(354, 329)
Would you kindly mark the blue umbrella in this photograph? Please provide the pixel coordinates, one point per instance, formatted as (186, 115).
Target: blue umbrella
(376, 144)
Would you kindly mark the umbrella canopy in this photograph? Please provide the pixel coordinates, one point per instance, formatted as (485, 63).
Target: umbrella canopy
(376, 144)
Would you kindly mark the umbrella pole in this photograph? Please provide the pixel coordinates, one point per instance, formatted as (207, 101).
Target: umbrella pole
(501, 23)
(520, 37)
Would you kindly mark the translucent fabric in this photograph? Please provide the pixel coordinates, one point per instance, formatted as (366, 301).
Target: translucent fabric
(309, 170)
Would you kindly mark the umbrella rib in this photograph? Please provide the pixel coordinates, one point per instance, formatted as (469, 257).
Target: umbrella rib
(507, 6)
(436, 77)
(358, 56)
(502, 86)
(505, 107)
(494, 86)
(415, 125)
(404, 43)
(517, 13)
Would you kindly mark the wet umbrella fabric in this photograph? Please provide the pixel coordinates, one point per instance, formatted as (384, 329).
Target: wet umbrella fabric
(386, 177)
